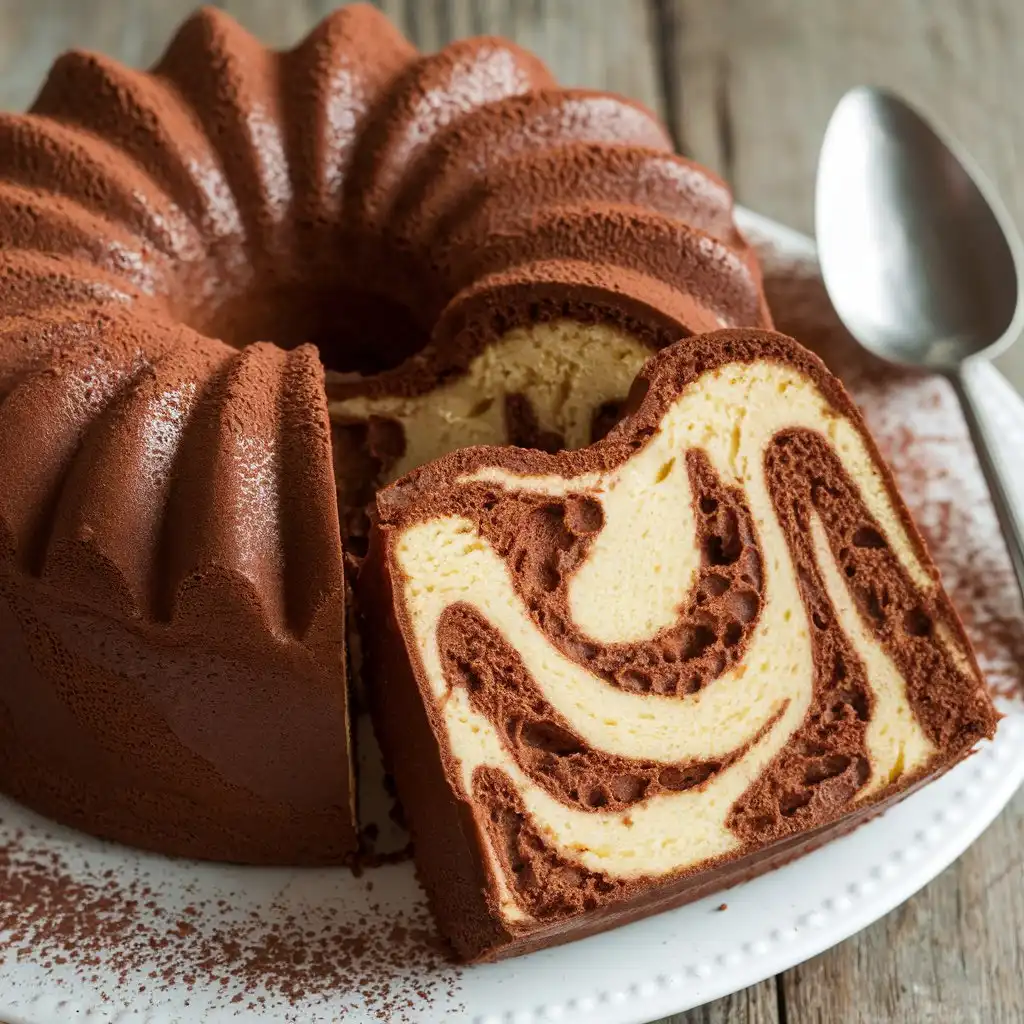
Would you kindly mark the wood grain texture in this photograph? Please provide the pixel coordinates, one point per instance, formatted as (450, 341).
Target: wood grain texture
(759, 1004)
(756, 80)
(952, 953)
(605, 43)
(33, 32)
(601, 43)
(747, 86)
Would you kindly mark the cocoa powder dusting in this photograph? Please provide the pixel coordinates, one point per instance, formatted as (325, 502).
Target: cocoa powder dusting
(932, 460)
(89, 931)
(921, 433)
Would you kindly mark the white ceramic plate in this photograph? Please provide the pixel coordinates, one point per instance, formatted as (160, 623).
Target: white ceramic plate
(92, 931)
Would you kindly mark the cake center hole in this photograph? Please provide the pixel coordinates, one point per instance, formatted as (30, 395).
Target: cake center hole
(355, 331)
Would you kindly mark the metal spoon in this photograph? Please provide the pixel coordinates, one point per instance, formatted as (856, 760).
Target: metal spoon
(921, 262)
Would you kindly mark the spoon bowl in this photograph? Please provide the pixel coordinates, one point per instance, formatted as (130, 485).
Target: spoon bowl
(922, 262)
(918, 255)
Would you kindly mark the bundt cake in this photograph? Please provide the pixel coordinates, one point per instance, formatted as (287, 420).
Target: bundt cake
(613, 680)
(472, 253)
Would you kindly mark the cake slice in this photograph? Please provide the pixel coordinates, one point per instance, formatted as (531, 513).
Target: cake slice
(613, 680)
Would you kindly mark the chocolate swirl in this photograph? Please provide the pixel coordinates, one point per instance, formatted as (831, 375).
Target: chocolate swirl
(543, 592)
(544, 541)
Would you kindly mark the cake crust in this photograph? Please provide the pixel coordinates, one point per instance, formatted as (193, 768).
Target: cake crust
(892, 697)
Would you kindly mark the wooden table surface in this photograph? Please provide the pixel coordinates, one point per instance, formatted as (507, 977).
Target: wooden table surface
(746, 86)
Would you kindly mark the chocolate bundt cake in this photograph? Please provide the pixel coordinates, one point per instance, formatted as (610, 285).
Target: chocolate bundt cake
(613, 680)
(472, 253)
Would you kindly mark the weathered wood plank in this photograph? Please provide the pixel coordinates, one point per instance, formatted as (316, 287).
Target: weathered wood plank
(769, 73)
(756, 1005)
(756, 81)
(33, 33)
(952, 953)
(605, 43)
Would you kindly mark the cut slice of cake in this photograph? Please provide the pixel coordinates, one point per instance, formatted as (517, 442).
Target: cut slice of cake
(613, 680)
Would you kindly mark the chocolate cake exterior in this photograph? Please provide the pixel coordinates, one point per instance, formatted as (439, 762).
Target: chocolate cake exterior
(613, 680)
(477, 254)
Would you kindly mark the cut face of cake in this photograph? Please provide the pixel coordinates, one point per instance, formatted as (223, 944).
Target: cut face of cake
(610, 681)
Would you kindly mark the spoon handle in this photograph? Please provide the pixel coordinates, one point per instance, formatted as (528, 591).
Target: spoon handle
(970, 389)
